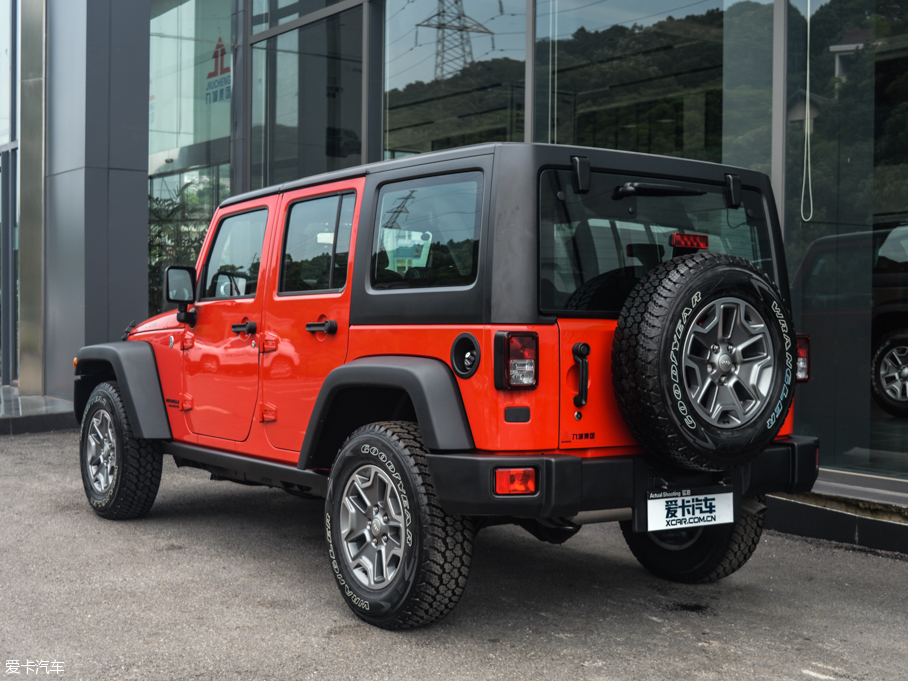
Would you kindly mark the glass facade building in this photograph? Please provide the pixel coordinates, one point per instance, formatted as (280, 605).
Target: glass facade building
(243, 94)
(9, 190)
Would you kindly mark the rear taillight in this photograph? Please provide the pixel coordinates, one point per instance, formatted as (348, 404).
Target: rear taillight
(803, 372)
(679, 240)
(516, 360)
(515, 481)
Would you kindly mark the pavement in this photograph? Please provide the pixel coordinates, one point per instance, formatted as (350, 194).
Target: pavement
(224, 581)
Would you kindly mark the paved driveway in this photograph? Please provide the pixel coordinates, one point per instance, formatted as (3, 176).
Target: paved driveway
(223, 581)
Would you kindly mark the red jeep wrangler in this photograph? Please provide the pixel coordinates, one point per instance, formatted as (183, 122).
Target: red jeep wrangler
(508, 333)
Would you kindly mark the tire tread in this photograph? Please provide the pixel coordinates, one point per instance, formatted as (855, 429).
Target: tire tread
(447, 539)
(635, 360)
(139, 475)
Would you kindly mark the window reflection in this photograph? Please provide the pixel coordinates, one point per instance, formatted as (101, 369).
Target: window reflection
(658, 77)
(270, 13)
(5, 64)
(307, 100)
(189, 113)
(453, 78)
(846, 214)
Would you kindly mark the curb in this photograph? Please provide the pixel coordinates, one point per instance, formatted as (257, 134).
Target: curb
(37, 423)
(807, 520)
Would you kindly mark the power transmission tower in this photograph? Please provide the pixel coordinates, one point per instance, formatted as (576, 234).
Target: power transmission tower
(398, 210)
(453, 50)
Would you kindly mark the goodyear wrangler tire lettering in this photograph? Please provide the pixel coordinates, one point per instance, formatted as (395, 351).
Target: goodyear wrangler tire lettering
(721, 339)
(399, 560)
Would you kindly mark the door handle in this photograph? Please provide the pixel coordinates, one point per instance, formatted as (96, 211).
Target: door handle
(329, 326)
(581, 351)
(244, 327)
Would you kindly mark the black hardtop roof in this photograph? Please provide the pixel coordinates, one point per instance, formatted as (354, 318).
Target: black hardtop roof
(357, 171)
(598, 157)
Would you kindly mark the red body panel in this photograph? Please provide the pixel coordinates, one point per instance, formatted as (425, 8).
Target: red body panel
(484, 405)
(221, 367)
(293, 372)
(600, 424)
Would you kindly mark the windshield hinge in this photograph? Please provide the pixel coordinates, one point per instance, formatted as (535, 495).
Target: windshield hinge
(580, 174)
(732, 191)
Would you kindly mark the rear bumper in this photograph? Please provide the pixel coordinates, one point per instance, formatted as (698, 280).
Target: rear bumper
(568, 485)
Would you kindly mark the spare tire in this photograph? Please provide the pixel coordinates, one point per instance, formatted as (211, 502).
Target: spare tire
(703, 361)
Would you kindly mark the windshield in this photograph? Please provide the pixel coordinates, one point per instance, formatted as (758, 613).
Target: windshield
(595, 247)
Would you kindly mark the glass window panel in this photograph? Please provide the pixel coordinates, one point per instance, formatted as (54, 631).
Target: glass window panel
(344, 230)
(6, 62)
(189, 110)
(270, 13)
(677, 79)
(593, 254)
(307, 100)
(846, 223)
(191, 79)
(846, 216)
(233, 264)
(451, 79)
(180, 207)
(427, 232)
(306, 264)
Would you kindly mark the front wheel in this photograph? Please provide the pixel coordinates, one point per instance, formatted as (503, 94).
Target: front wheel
(703, 554)
(399, 560)
(120, 473)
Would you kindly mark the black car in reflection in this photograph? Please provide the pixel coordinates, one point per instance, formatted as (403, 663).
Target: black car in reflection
(849, 276)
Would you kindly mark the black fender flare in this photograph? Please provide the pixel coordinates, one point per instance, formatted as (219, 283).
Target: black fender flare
(136, 371)
(429, 382)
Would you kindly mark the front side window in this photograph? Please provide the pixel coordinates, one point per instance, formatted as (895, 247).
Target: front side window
(595, 247)
(427, 232)
(232, 270)
(317, 244)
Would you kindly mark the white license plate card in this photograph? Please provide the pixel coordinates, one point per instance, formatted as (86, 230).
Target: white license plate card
(679, 509)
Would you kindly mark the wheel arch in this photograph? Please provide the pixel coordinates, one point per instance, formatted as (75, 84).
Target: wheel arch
(887, 318)
(386, 388)
(132, 365)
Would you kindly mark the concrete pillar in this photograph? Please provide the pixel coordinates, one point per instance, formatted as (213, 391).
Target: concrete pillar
(31, 198)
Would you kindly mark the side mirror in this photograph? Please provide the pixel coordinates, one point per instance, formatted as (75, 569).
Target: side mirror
(179, 288)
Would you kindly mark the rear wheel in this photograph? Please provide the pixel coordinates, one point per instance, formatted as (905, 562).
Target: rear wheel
(399, 560)
(120, 473)
(703, 554)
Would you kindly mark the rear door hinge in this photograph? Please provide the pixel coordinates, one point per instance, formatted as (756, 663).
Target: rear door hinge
(185, 402)
(267, 412)
(188, 341)
(270, 342)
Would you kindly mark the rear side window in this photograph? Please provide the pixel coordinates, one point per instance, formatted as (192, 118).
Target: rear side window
(232, 270)
(317, 244)
(427, 232)
(595, 247)
(891, 255)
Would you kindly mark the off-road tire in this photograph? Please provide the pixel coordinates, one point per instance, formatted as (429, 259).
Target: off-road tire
(892, 344)
(136, 473)
(437, 547)
(702, 555)
(651, 392)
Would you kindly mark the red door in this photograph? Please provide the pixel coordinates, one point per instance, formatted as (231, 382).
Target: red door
(307, 309)
(221, 353)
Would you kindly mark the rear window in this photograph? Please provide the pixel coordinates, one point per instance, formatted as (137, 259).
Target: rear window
(427, 232)
(595, 247)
